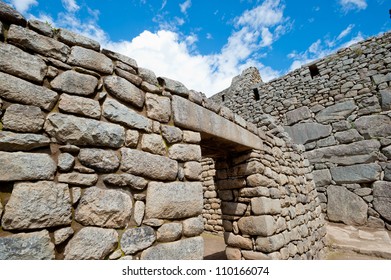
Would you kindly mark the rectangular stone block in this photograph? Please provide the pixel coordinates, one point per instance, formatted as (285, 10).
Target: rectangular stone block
(91, 60)
(176, 200)
(359, 173)
(264, 205)
(258, 225)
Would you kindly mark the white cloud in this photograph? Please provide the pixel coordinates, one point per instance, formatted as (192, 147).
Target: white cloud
(185, 6)
(345, 32)
(164, 3)
(267, 14)
(23, 5)
(348, 5)
(70, 5)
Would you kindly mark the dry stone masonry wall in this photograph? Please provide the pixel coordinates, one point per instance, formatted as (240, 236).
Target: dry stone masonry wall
(339, 108)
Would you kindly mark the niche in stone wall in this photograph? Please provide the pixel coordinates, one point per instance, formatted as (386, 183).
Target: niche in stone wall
(314, 71)
(256, 94)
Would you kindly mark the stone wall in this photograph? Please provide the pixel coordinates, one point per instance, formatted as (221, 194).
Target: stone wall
(339, 109)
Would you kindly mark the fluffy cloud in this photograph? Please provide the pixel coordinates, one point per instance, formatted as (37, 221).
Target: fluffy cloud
(70, 5)
(185, 6)
(23, 5)
(348, 5)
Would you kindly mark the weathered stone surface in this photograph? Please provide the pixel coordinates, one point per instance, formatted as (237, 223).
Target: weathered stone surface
(26, 166)
(345, 206)
(171, 134)
(173, 86)
(131, 138)
(257, 180)
(137, 239)
(80, 106)
(191, 137)
(148, 165)
(264, 225)
(193, 170)
(252, 255)
(264, 205)
(126, 180)
(124, 90)
(158, 107)
(14, 89)
(385, 99)
(8, 14)
(78, 179)
(104, 208)
(347, 154)
(16, 62)
(174, 200)
(322, 177)
(382, 199)
(81, 131)
(105, 161)
(303, 133)
(91, 243)
(72, 39)
(297, 115)
(75, 83)
(10, 141)
(169, 232)
(237, 241)
(193, 226)
(185, 249)
(41, 27)
(336, 112)
(233, 253)
(43, 45)
(153, 143)
(116, 112)
(348, 136)
(91, 60)
(148, 76)
(139, 211)
(27, 246)
(23, 118)
(128, 75)
(374, 126)
(1, 209)
(37, 205)
(231, 184)
(185, 152)
(233, 208)
(270, 244)
(188, 115)
(65, 162)
(62, 235)
(120, 57)
(359, 173)
(387, 172)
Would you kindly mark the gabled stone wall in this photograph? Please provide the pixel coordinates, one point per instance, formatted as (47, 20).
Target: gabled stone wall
(339, 108)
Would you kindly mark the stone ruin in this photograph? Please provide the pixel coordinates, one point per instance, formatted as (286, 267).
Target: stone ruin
(101, 159)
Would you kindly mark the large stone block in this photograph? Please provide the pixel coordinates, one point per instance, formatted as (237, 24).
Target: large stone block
(185, 249)
(37, 205)
(105, 161)
(258, 180)
(303, 133)
(359, 173)
(14, 89)
(238, 241)
(33, 41)
(78, 179)
(345, 206)
(124, 90)
(171, 134)
(169, 232)
(193, 226)
(91, 60)
(9, 14)
(348, 136)
(188, 115)
(71, 38)
(265, 206)
(137, 239)
(27, 246)
(385, 99)
(11, 142)
(174, 86)
(158, 107)
(75, 83)
(264, 225)
(322, 177)
(148, 165)
(26, 166)
(104, 208)
(374, 126)
(91, 243)
(336, 112)
(16, 62)
(382, 199)
(23, 118)
(118, 113)
(348, 154)
(81, 131)
(176, 200)
(270, 244)
(153, 143)
(84, 107)
(233, 208)
(185, 152)
(120, 57)
(126, 180)
(297, 115)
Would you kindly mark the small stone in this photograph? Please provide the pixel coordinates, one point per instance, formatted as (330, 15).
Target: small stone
(193, 226)
(270, 244)
(191, 137)
(158, 107)
(78, 179)
(252, 255)
(62, 235)
(238, 241)
(153, 143)
(9, 14)
(233, 253)
(153, 222)
(173, 86)
(124, 90)
(171, 134)
(193, 170)
(120, 57)
(65, 162)
(185, 152)
(91, 243)
(76, 194)
(137, 239)
(125, 180)
(23, 118)
(104, 208)
(322, 177)
(104, 161)
(73, 82)
(169, 232)
(91, 60)
(139, 210)
(131, 138)
(116, 255)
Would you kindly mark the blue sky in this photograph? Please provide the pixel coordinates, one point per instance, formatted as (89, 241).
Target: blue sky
(204, 43)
